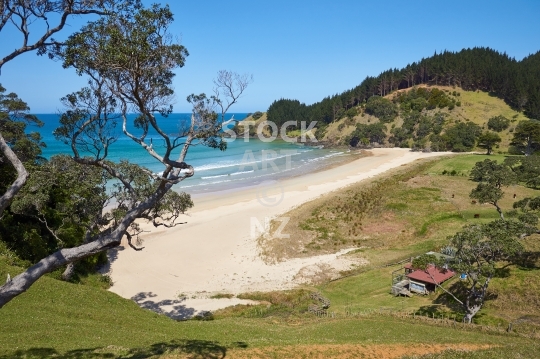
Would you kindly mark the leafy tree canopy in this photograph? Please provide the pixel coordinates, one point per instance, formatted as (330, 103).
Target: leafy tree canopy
(462, 136)
(480, 251)
(488, 140)
(527, 169)
(130, 60)
(527, 137)
(366, 134)
(498, 123)
(382, 108)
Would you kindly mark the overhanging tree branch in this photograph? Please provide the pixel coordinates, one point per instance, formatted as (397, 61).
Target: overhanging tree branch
(142, 86)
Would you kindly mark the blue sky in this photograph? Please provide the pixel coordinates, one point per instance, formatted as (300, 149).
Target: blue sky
(304, 50)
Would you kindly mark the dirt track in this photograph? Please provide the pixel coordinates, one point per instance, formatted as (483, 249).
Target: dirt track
(343, 351)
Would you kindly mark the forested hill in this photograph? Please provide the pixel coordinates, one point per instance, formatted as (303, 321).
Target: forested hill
(484, 69)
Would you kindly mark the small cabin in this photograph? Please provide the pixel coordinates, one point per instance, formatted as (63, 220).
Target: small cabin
(408, 280)
(423, 282)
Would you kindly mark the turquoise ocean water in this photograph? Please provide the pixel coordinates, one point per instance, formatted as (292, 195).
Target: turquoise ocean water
(242, 164)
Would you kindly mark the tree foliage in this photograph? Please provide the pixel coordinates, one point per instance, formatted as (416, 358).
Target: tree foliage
(498, 123)
(488, 140)
(527, 137)
(491, 177)
(60, 206)
(17, 145)
(284, 110)
(479, 68)
(526, 168)
(44, 19)
(382, 108)
(130, 61)
(481, 250)
(35, 23)
(461, 137)
(366, 134)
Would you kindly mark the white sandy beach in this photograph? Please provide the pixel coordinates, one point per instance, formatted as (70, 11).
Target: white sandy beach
(216, 251)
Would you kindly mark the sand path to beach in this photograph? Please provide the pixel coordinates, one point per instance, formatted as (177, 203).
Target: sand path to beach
(216, 251)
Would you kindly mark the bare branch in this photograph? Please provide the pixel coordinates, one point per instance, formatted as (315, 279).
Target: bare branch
(43, 220)
(24, 15)
(231, 86)
(440, 286)
(129, 237)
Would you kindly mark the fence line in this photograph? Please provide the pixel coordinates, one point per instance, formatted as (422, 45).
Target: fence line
(450, 320)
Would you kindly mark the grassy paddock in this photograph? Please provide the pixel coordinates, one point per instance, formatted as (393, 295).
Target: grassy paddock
(410, 216)
(77, 321)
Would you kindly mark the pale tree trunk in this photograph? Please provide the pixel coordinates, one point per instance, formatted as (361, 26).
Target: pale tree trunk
(20, 283)
(471, 312)
(70, 268)
(22, 175)
(68, 273)
(475, 300)
(107, 240)
(499, 210)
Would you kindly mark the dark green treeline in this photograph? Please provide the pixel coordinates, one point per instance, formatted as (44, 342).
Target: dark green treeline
(516, 82)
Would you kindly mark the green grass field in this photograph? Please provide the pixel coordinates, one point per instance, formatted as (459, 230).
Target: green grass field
(431, 207)
(78, 321)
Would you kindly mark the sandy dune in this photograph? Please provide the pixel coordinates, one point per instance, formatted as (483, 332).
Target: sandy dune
(216, 250)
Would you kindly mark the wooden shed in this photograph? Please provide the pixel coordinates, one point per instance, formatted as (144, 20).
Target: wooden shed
(425, 281)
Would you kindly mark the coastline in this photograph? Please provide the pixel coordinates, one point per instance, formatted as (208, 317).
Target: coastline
(216, 250)
(208, 200)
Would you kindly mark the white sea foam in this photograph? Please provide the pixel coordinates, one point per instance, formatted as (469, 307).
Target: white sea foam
(217, 176)
(239, 163)
(241, 172)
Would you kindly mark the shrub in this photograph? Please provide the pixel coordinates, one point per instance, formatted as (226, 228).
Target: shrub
(384, 109)
(498, 123)
(257, 115)
(462, 136)
(373, 133)
(352, 112)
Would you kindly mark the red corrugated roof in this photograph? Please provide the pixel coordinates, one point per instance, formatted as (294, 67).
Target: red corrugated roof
(439, 275)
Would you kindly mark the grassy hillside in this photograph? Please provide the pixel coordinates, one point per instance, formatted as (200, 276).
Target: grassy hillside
(407, 213)
(477, 107)
(254, 124)
(56, 319)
